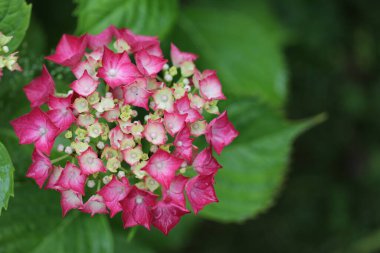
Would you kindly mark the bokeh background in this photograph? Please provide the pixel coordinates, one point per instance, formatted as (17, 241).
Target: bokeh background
(328, 54)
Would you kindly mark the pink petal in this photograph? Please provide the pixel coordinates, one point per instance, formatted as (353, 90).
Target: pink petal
(36, 127)
(210, 88)
(149, 65)
(182, 105)
(174, 122)
(205, 164)
(111, 115)
(198, 76)
(116, 136)
(102, 39)
(72, 179)
(162, 167)
(53, 179)
(137, 208)
(69, 51)
(113, 192)
(90, 163)
(40, 168)
(95, 204)
(166, 215)
(154, 132)
(200, 192)
(60, 113)
(220, 132)
(175, 191)
(136, 94)
(70, 200)
(184, 145)
(85, 85)
(179, 57)
(87, 65)
(117, 69)
(40, 88)
(140, 42)
(128, 155)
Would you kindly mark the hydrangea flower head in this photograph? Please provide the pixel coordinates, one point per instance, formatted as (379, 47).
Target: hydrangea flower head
(125, 129)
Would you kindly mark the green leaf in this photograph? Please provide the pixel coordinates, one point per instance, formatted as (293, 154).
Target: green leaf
(6, 177)
(246, 54)
(35, 224)
(14, 20)
(254, 166)
(150, 17)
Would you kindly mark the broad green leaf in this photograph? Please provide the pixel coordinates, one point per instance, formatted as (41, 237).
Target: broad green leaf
(14, 20)
(245, 53)
(150, 17)
(254, 166)
(35, 224)
(6, 177)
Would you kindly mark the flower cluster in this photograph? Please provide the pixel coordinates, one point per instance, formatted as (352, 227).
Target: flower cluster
(8, 61)
(126, 129)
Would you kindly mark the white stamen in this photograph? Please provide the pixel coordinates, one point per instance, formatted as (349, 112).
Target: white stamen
(179, 143)
(139, 199)
(43, 131)
(164, 98)
(153, 135)
(90, 160)
(112, 72)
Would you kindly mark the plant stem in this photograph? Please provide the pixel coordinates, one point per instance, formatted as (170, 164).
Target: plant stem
(59, 158)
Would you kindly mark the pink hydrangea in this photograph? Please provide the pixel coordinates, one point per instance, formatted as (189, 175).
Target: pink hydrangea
(126, 132)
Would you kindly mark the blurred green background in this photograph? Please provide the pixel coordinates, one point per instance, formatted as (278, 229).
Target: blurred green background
(308, 57)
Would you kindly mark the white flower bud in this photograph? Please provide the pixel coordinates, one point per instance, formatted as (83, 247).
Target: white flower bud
(166, 67)
(186, 81)
(107, 179)
(68, 150)
(168, 78)
(121, 174)
(91, 183)
(187, 87)
(60, 148)
(5, 49)
(153, 148)
(100, 145)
